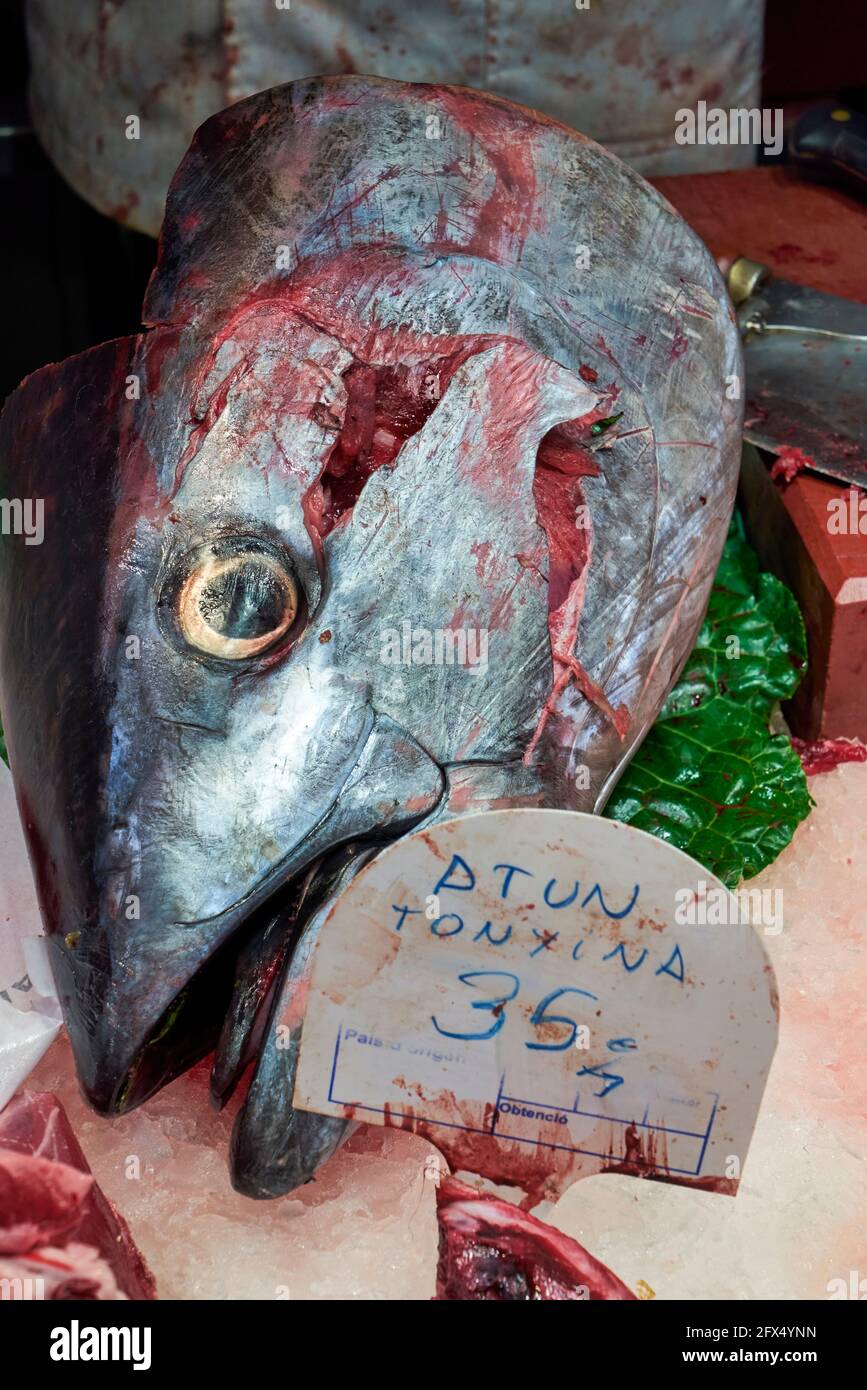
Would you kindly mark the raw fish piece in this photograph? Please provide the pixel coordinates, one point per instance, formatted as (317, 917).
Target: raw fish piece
(55, 1224)
(492, 1250)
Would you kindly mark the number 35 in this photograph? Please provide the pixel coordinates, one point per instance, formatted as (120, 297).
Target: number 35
(495, 1004)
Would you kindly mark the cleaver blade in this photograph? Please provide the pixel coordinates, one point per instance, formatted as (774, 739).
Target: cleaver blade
(805, 355)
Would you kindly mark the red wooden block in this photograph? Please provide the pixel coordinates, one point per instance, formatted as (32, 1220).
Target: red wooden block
(792, 527)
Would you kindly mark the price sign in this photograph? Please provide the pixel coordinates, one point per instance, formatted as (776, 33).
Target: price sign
(541, 994)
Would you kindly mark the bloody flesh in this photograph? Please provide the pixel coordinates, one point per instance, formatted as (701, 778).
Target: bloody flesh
(56, 1226)
(789, 462)
(491, 1251)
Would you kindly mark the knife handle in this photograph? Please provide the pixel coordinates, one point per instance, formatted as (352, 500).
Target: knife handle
(743, 277)
(832, 139)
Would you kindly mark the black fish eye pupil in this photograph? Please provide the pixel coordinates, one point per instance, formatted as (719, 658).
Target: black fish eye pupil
(245, 602)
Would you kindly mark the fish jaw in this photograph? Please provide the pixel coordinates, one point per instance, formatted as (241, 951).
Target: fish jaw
(166, 993)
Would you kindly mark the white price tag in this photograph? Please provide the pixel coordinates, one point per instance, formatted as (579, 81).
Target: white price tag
(542, 995)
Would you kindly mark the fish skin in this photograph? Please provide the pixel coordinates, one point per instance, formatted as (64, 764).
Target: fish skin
(257, 973)
(196, 790)
(276, 1148)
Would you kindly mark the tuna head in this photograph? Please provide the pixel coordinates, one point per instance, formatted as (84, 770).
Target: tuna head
(345, 540)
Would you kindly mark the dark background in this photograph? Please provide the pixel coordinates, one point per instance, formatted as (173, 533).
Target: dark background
(70, 278)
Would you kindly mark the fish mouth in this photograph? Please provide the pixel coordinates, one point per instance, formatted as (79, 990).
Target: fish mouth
(144, 1006)
(224, 1006)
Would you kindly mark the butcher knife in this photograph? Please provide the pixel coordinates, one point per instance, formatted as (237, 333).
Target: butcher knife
(805, 354)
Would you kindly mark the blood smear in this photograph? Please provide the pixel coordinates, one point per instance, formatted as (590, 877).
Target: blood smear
(824, 754)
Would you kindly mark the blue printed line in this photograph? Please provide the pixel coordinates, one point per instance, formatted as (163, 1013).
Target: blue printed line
(707, 1132)
(520, 1139)
(334, 1071)
(612, 1119)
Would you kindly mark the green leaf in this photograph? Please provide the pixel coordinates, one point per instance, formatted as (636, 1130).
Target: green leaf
(602, 425)
(710, 777)
(718, 785)
(752, 647)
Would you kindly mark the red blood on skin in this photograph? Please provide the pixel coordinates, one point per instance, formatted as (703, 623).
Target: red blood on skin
(216, 406)
(317, 292)
(481, 552)
(824, 754)
(162, 348)
(489, 1250)
(389, 398)
(679, 343)
(497, 227)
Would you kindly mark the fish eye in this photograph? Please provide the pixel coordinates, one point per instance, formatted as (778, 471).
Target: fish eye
(236, 600)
